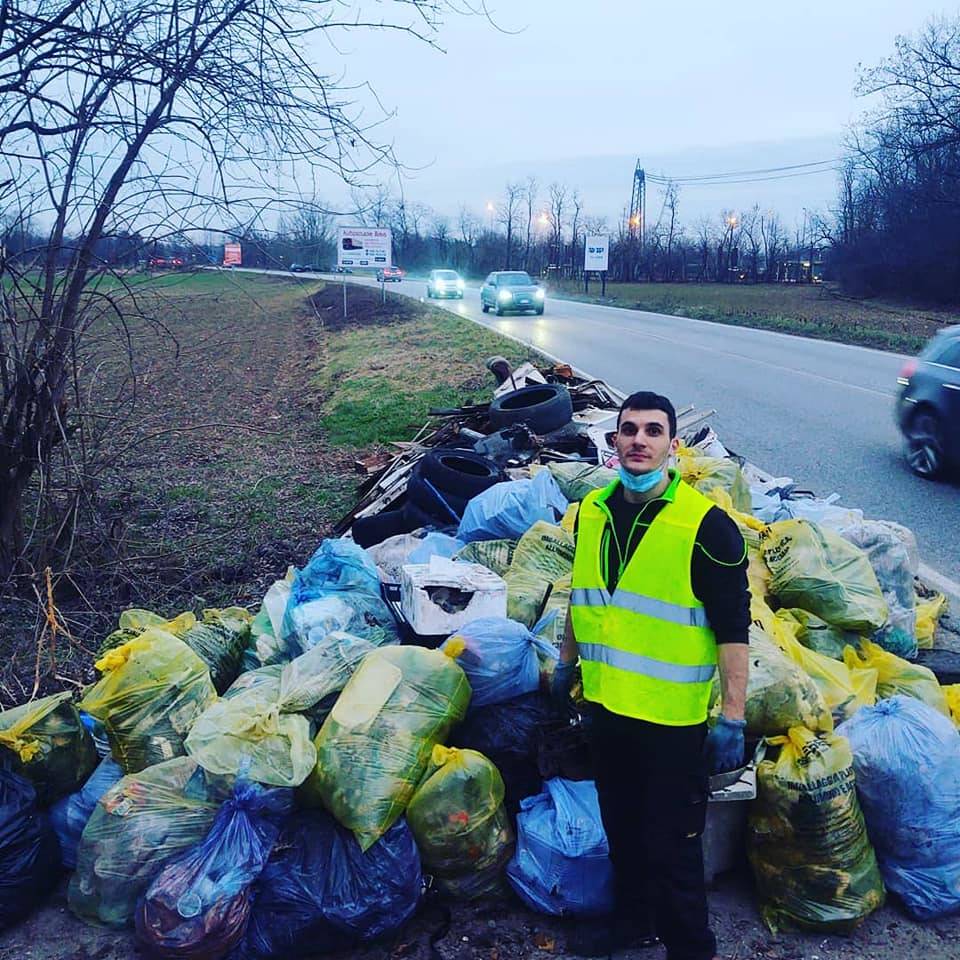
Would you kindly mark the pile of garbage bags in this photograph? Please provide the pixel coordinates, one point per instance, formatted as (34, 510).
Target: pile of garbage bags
(278, 782)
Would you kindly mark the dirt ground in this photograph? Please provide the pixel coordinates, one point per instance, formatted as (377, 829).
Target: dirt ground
(507, 931)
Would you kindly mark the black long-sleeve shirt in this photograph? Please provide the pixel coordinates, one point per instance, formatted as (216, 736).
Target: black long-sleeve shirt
(718, 567)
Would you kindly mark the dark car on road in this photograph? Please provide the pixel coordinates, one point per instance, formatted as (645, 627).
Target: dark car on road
(509, 291)
(299, 268)
(389, 275)
(444, 283)
(928, 408)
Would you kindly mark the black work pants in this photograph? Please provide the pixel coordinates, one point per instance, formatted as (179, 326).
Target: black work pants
(652, 785)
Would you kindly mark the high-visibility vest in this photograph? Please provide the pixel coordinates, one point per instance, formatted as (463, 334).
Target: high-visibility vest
(647, 650)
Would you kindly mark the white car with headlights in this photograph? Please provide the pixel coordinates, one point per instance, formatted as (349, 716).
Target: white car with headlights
(444, 283)
(508, 291)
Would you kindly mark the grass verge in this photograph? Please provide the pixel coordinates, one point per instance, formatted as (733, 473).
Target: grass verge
(254, 402)
(817, 311)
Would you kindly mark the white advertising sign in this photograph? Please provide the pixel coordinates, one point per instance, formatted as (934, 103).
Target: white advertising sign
(596, 253)
(363, 247)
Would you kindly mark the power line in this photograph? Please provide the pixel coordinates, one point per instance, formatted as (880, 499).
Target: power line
(720, 183)
(753, 176)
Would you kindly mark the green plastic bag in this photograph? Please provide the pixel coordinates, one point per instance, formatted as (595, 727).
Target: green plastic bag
(151, 691)
(818, 635)
(807, 841)
(495, 555)
(815, 569)
(457, 817)
(576, 480)
(779, 694)
(374, 747)
(137, 825)
(45, 741)
(219, 641)
(263, 724)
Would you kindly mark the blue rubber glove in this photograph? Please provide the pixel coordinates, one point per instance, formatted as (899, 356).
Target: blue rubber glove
(725, 745)
(561, 683)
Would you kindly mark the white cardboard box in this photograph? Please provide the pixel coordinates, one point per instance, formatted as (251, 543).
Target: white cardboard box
(442, 595)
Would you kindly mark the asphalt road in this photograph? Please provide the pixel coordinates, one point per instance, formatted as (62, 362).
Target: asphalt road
(819, 412)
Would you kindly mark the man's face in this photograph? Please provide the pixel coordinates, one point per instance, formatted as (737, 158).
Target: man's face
(643, 440)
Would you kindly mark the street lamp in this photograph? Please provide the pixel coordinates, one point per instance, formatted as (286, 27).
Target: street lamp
(490, 209)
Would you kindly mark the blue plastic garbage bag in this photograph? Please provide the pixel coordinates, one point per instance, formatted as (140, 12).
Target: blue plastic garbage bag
(562, 864)
(338, 589)
(29, 859)
(501, 659)
(319, 893)
(435, 544)
(69, 815)
(508, 510)
(199, 903)
(906, 757)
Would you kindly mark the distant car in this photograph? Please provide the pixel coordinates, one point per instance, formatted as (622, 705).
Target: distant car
(298, 268)
(444, 283)
(389, 275)
(336, 268)
(509, 291)
(928, 408)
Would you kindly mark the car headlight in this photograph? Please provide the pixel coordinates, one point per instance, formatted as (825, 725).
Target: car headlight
(538, 295)
(504, 295)
(459, 284)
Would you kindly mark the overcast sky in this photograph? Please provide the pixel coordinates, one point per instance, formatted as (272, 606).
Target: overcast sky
(688, 86)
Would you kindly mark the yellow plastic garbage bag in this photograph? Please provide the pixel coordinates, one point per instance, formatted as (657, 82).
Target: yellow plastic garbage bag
(816, 634)
(750, 527)
(264, 727)
(137, 825)
(833, 678)
(45, 741)
(495, 555)
(779, 694)
(461, 828)
(134, 621)
(543, 555)
(569, 521)
(896, 675)
(554, 615)
(807, 840)
(952, 693)
(928, 613)
(707, 473)
(815, 569)
(151, 691)
(374, 747)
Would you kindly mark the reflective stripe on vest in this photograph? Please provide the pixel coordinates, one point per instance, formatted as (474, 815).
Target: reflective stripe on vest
(649, 606)
(646, 650)
(646, 666)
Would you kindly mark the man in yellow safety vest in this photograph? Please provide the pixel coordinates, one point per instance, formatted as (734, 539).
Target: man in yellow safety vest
(659, 602)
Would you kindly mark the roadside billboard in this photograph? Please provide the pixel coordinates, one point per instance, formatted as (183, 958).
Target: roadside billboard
(364, 247)
(231, 255)
(596, 252)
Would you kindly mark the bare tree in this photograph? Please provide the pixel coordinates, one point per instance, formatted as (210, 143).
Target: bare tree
(154, 116)
(470, 226)
(507, 213)
(752, 236)
(671, 205)
(530, 196)
(577, 203)
(772, 234)
(558, 200)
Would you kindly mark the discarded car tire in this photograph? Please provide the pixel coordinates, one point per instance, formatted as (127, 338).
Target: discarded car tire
(459, 472)
(544, 407)
(421, 496)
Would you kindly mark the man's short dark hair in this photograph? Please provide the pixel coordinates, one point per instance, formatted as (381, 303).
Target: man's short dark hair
(648, 400)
